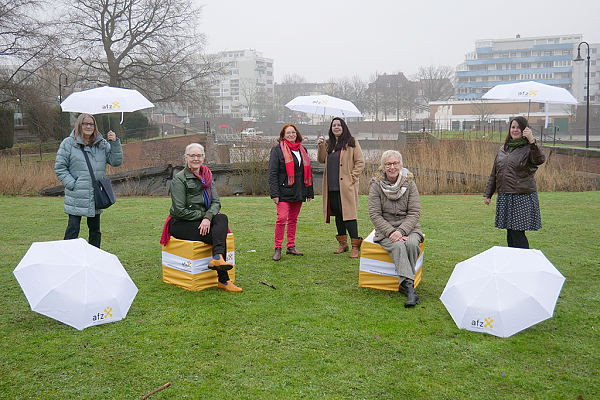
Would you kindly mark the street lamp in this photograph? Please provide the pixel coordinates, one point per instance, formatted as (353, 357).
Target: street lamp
(60, 86)
(587, 100)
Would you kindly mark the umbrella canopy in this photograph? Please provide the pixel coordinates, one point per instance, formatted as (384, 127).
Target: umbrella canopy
(324, 105)
(502, 291)
(104, 100)
(531, 91)
(75, 283)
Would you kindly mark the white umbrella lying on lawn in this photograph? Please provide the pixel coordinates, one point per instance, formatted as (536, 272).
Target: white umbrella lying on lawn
(324, 105)
(104, 100)
(502, 291)
(531, 91)
(75, 283)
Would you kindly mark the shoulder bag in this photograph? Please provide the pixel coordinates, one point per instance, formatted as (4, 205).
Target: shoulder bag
(104, 195)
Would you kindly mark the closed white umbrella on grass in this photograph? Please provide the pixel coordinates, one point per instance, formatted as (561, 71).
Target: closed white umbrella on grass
(75, 283)
(502, 291)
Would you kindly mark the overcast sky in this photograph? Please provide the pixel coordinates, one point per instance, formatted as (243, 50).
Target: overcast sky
(322, 39)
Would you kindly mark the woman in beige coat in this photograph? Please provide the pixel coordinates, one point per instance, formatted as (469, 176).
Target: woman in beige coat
(395, 208)
(344, 161)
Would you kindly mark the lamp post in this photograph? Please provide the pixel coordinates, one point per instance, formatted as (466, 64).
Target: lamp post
(587, 100)
(60, 86)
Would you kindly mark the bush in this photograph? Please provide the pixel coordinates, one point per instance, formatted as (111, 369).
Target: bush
(7, 128)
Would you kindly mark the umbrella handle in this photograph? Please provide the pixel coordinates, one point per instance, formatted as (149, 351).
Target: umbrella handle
(121, 123)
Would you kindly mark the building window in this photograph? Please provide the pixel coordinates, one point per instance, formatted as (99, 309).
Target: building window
(525, 65)
(513, 55)
(525, 54)
(548, 53)
(548, 64)
(498, 67)
(567, 52)
(562, 63)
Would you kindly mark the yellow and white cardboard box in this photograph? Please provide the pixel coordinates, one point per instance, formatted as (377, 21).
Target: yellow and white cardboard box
(377, 271)
(185, 263)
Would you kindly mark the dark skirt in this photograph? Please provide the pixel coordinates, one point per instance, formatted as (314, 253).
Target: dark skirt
(519, 212)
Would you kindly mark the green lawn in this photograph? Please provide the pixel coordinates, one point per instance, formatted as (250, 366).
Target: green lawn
(318, 335)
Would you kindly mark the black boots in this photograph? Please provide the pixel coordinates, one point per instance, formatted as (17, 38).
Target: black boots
(408, 289)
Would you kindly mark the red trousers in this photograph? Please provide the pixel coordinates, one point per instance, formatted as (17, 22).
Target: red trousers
(287, 213)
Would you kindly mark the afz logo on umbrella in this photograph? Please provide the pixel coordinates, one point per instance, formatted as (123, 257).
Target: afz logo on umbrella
(113, 106)
(481, 324)
(320, 101)
(527, 93)
(101, 316)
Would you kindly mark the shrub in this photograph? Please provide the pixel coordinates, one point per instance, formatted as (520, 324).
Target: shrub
(7, 128)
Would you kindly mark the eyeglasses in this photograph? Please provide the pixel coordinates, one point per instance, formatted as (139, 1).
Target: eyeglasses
(192, 156)
(392, 164)
(88, 124)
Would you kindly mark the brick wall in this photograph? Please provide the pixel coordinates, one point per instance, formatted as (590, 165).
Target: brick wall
(584, 160)
(149, 153)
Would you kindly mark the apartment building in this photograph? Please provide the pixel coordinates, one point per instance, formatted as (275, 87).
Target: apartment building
(246, 87)
(544, 59)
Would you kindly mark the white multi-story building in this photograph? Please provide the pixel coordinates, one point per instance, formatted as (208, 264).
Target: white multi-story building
(246, 87)
(544, 59)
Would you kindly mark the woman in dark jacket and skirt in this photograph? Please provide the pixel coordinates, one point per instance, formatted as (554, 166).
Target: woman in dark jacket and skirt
(290, 184)
(517, 207)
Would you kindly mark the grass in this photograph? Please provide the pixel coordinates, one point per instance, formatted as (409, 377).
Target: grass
(318, 335)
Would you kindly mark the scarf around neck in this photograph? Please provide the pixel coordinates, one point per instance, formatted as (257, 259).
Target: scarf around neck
(287, 147)
(514, 143)
(394, 191)
(205, 177)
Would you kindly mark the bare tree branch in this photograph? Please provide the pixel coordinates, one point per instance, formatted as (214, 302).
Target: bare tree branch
(153, 46)
(435, 83)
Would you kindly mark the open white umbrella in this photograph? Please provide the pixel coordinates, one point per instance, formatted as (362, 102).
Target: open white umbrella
(104, 100)
(75, 283)
(324, 105)
(502, 291)
(531, 91)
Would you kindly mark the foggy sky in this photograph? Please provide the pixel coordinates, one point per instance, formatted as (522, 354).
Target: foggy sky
(321, 39)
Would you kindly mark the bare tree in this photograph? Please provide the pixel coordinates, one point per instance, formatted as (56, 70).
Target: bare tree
(483, 109)
(291, 87)
(27, 45)
(252, 93)
(358, 92)
(435, 83)
(153, 46)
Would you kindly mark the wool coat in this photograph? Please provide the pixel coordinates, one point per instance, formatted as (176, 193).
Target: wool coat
(352, 162)
(72, 171)
(401, 214)
(278, 179)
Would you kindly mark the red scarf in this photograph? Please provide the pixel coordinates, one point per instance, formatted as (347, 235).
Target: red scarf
(206, 179)
(287, 147)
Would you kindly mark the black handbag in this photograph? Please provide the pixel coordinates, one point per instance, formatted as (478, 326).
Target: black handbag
(104, 195)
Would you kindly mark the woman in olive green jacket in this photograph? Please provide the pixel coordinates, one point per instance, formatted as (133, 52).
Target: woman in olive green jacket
(195, 213)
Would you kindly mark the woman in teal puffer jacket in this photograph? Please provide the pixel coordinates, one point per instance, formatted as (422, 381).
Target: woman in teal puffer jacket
(73, 172)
